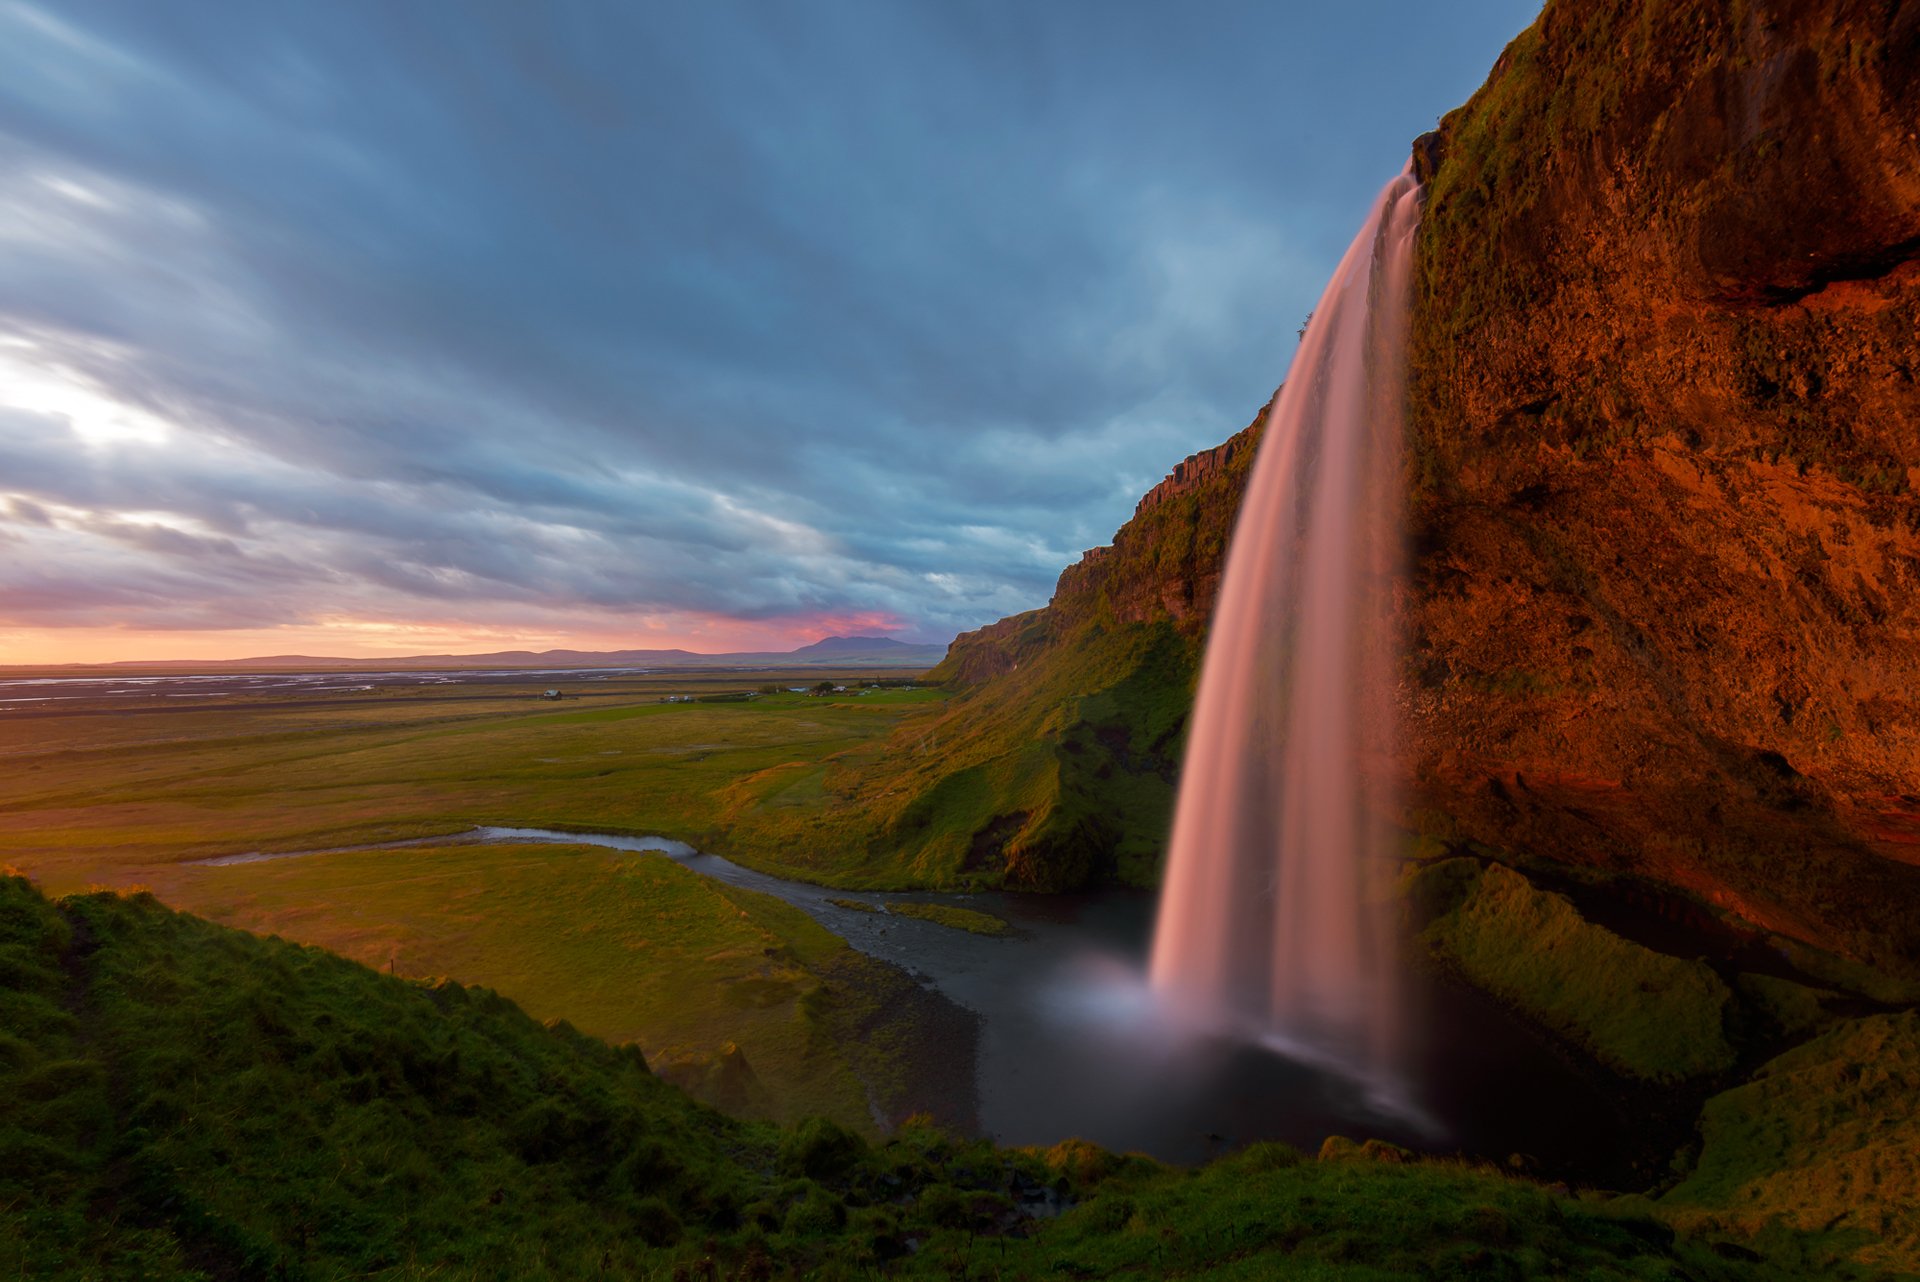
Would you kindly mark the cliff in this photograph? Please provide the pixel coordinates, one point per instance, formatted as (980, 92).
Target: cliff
(1666, 434)
(1166, 562)
(1665, 453)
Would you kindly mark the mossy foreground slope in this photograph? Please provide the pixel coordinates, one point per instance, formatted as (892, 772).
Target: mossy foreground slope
(180, 1100)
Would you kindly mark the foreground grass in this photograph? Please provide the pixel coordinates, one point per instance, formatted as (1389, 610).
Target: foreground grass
(178, 1100)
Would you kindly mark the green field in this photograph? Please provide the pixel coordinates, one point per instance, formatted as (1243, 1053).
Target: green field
(744, 999)
(740, 997)
(114, 798)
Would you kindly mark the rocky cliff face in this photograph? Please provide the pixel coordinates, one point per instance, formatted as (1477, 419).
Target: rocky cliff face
(1667, 430)
(1666, 450)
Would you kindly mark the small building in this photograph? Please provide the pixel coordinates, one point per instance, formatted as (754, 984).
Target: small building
(551, 694)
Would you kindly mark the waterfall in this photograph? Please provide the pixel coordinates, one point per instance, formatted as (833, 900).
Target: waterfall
(1276, 917)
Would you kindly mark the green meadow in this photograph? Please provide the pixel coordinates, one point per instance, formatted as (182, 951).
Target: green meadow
(113, 798)
(742, 998)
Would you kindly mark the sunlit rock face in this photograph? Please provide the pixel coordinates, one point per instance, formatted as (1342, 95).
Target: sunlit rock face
(1665, 459)
(1664, 456)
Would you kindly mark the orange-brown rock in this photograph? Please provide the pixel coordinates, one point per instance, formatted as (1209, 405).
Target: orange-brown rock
(1665, 466)
(1667, 431)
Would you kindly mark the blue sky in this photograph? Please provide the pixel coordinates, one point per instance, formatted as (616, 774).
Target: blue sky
(376, 328)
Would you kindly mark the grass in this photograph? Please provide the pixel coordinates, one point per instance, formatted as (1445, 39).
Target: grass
(1824, 1141)
(1268, 1212)
(183, 1101)
(1052, 780)
(103, 798)
(1054, 775)
(977, 923)
(1643, 1014)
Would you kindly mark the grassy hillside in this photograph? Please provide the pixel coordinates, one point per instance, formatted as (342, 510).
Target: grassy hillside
(1056, 774)
(178, 1100)
(744, 999)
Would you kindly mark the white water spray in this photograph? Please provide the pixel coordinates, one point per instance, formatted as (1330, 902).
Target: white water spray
(1275, 918)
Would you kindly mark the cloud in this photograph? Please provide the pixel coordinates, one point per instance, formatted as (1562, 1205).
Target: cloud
(648, 314)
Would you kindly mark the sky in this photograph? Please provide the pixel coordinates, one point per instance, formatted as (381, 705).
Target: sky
(370, 328)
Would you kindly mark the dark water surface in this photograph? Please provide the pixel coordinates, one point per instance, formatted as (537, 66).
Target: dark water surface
(1069, 1044)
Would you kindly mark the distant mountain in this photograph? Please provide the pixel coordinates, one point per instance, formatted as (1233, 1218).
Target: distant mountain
(861, 645)
(863, 652)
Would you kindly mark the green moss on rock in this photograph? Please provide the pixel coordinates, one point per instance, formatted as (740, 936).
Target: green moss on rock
(1642, 1013)
(1824, 1140)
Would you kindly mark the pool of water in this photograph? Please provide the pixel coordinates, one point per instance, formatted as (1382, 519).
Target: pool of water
(1071, 1045)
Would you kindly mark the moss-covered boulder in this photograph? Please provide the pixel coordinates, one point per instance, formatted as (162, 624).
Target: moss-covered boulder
(1641, 1013)
(1825, 1140)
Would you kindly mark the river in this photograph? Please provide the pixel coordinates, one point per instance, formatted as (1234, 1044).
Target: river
(1069, 1046)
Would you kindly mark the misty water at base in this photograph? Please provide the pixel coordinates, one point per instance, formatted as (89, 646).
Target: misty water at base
(1071, 1043)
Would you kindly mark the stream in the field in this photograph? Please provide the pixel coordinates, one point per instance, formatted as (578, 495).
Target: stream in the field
(1070, 1044)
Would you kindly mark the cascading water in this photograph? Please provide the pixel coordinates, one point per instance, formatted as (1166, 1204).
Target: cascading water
(1274, 918)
